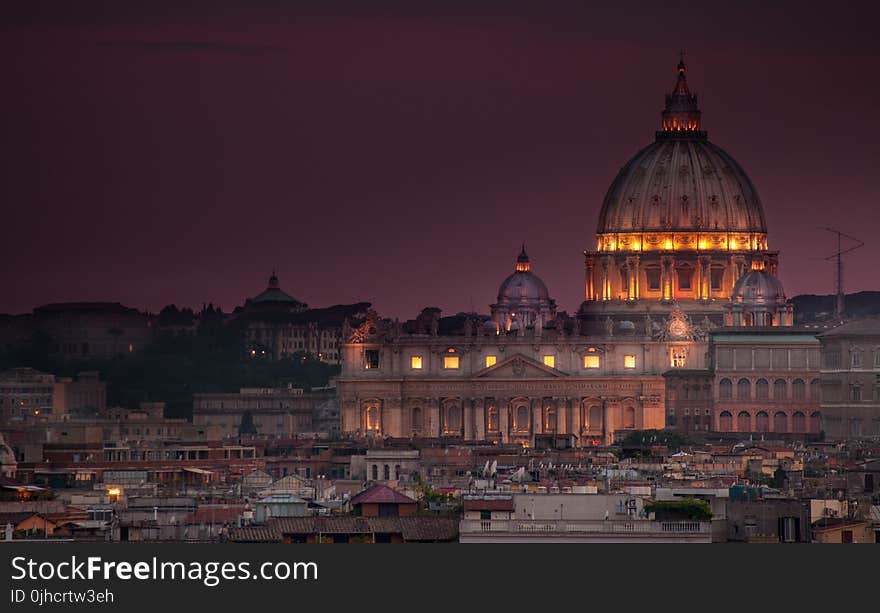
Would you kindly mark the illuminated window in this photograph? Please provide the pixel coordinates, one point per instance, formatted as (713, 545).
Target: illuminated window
(591, 361)
(550, 360)
(679, 357)
(491, 360)
(450, 362)
(629, 361)
(415, 362)
(371, 359)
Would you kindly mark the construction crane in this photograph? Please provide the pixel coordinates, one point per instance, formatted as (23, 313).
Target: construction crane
(839, 306)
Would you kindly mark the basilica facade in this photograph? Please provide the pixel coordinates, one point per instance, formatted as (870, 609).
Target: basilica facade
(681, 253)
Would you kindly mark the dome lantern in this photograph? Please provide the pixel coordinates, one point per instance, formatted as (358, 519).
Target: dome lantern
(681, 117)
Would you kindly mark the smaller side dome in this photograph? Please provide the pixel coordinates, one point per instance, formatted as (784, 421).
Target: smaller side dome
(758, 300)
(758, 286)
(523, 298)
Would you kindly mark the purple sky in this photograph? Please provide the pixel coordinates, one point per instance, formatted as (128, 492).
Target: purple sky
(401, 155)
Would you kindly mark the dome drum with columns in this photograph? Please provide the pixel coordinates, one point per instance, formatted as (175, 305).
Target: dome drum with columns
(679, 226)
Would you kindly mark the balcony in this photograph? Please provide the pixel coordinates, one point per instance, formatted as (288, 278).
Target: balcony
(636, 530)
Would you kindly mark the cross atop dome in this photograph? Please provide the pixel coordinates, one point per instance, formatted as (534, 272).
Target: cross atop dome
(522, 262)
(681, 117)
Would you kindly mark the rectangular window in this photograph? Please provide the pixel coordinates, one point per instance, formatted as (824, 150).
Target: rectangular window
(550, 360)
(832, 360)
(679, 357)
(856, 359)
(415, 362)
(450, 362)
(685, 277)
(491, 360)
(717, 278)
(629, 361)
(371, 359)
(591, 361)
(652, 276)
(855, 393)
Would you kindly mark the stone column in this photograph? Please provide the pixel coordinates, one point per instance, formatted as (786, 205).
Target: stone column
(561, 414)
(589, 281)
(632, 270)
(705, 262)
(537, 415)
(479, 419)
(576, 417)
(667, 277)
(607, 267)
(467, 414)
(504, 418)
(433, 427)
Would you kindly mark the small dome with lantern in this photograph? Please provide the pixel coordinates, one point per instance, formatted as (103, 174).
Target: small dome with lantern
(758, 299)
(523, 299)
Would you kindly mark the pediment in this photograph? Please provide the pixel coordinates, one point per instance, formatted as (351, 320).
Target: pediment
(519, 366)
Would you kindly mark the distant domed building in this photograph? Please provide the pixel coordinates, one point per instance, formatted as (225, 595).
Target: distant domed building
(523, 299)
(680, 224)
(274, 298)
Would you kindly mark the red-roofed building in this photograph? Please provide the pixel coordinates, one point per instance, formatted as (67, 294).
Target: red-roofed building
(382, 501)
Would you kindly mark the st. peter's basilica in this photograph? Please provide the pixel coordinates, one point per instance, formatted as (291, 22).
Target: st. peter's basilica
(681, 306)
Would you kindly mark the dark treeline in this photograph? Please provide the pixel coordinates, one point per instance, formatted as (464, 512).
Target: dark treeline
(177, 363)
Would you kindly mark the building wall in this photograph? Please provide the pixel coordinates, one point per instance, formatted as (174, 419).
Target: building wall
(409, 387)
(850, 380)
(766, 382)
(276, 412)
(86, 393)
(25, 393)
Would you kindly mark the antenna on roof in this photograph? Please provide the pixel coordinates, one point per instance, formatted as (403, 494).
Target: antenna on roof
(839, 306)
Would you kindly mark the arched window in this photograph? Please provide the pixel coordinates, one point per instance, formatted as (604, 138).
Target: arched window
(798, 390)
(743, 389)
(371, 418)
(417, 419)
(780, 422)
(386, 473)
(780, 390)
(725, 389)
(815, 422)
(397, 471)
(762, 422)
(798, 422)
(762, 389)
(743, 422)
(453, 418)
(492, 419)
(522, 418)
(375, 472)
(550, 421)
(629, 418)
(725, 421)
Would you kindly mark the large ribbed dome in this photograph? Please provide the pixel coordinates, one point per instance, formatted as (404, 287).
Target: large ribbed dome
(681, 182)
